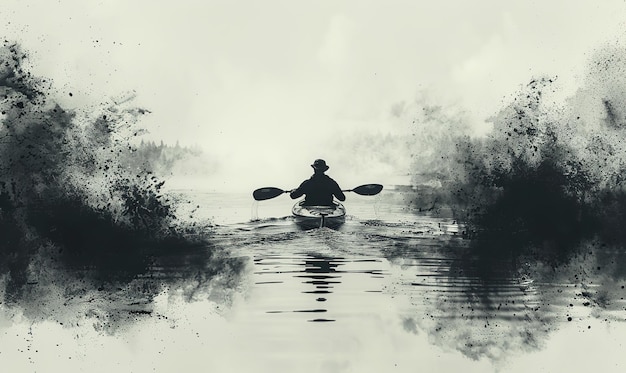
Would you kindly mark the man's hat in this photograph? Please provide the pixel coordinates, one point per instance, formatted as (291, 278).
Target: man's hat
(320, 165)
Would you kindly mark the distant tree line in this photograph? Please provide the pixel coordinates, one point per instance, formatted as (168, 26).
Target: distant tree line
(166, 160)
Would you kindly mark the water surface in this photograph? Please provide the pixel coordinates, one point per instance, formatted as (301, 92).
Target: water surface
(393, 272)
(393, 289)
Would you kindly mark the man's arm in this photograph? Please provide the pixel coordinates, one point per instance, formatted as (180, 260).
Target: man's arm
(298, 192)
(338, 193)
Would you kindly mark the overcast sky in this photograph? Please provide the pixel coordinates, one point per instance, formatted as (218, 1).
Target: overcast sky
(247, 80)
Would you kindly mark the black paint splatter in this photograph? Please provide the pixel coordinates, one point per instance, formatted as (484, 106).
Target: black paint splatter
(547, 178)
(542, 198)
(78, 225)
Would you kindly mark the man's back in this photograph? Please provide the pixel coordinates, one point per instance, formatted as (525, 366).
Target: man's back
(319, 191)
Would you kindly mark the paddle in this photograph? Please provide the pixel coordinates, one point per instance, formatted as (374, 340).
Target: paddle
(366, 190)
(262, 194)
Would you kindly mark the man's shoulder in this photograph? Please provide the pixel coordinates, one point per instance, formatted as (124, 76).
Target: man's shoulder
(330, 179)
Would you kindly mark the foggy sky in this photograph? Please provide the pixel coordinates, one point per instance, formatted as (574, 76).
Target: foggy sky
(248, 81)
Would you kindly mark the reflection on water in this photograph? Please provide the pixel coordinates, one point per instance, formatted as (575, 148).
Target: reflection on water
(417, 269)
(322, 276)
(391, 284)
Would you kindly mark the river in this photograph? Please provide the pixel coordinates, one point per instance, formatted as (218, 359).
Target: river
(390, 290)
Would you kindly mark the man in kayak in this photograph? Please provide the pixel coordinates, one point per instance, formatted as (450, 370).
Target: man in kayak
(320, 188)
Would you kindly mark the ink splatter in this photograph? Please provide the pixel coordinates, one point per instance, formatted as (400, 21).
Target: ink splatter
(541, 199)
(82, 232)
(548, 177)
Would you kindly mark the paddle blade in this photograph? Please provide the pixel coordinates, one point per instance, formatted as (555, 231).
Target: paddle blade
(368, 189)
(266, 193)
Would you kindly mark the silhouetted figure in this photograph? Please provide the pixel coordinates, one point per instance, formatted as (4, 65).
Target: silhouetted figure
(320, 188)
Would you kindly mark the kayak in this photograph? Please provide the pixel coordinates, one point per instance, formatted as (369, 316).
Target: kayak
(309, 217)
